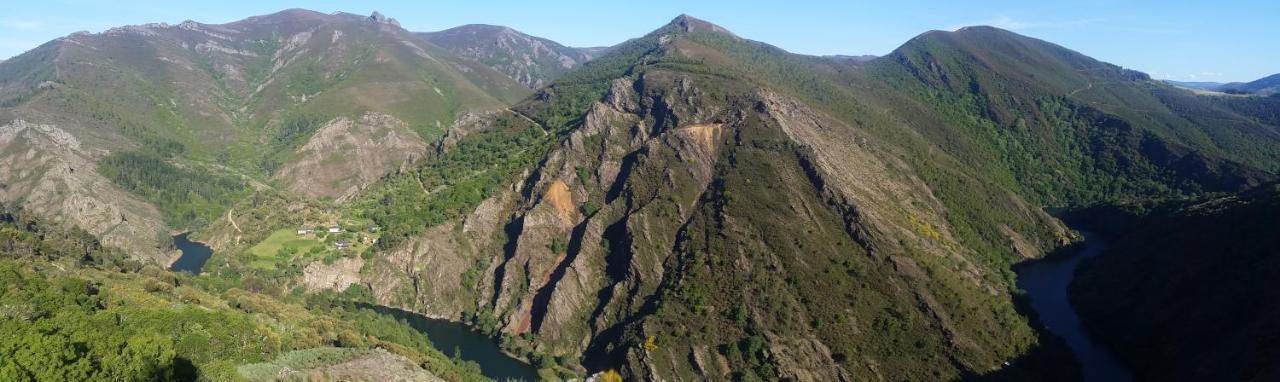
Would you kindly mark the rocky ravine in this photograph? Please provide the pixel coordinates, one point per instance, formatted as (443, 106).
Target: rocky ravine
(45, 170)
(656, 155)
(347, 155)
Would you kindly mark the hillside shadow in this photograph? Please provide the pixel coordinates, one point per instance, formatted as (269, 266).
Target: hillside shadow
(1049, 361)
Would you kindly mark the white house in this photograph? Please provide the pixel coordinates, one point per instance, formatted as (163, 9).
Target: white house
(335, 229)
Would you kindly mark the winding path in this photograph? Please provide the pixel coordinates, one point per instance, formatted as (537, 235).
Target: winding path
(1087, 87)
(233, 221)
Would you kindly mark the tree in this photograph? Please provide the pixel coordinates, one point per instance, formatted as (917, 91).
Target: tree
(610, 375)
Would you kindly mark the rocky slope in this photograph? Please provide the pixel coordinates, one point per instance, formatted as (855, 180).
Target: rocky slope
(692, 173)
(48, 172)
(246, 99)
(533, 61)
(345, 155)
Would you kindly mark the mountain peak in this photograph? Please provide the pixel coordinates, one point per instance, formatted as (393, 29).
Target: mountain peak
(687, 23)
(377, 17)
(981, 29)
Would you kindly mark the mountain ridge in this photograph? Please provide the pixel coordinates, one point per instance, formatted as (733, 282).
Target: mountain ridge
(531, 60)
(690, 204)
(252, 92)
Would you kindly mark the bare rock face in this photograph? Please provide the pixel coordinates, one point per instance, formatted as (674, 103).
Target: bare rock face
(379, 18)
(337, 276)
(45, 170)
(346, 155)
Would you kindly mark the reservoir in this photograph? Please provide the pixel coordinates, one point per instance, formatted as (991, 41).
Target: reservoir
(1045, 282)
(194, 255)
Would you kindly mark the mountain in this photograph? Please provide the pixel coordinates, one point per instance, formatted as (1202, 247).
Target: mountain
(860, 58)
(1263, 86)
(819, 218)
(241, 102)
(688, 205)
(533, 61)
(1194, 277)
(1211, 86)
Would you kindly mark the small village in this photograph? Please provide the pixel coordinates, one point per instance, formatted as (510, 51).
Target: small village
(314, 241)
(344, 237)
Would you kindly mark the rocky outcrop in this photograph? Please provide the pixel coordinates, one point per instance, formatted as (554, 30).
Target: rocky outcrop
(591, 251)
(345, 156)
(532, 61)
(47, 171)
(336, 276)
(376, 365)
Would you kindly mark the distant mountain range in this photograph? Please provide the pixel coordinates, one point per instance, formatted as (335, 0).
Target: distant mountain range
(686, 205)
(1196, 85)
(1264, 86)
(533, 61)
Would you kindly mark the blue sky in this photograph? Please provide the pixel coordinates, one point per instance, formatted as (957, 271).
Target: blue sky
(1183, 40)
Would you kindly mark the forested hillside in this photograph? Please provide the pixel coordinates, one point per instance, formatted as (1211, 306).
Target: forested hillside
(74, 310)
(1194, 274)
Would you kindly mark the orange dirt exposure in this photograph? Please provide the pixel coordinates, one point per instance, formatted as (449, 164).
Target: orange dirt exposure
(706, 135)
(560, 199)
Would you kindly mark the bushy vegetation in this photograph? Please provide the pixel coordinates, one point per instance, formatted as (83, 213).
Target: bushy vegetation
(71, 310)
(1196, 276)
(452, 183)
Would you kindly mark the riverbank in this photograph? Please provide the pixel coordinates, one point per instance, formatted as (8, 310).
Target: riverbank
(457, 339)
(1045, 282)
(192, 255)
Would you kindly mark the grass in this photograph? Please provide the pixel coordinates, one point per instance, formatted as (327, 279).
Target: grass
(299, 360)
(268, 252)
(284, 246)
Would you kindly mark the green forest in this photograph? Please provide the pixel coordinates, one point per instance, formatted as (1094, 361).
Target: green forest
(189, 197)
(72, 310)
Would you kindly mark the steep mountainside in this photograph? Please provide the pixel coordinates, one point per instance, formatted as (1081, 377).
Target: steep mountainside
(1069, 130)
(1196, 301)
(533, 61)
(241, 101)
(692, 173)
(351, 154)
(48, 171)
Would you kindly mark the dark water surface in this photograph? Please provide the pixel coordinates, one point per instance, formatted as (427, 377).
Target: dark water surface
(451, 337)
(1046, 284)
(194, 254)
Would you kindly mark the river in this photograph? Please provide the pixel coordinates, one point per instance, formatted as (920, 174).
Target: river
(451, 337)
(194, 254)
(1045, 282)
